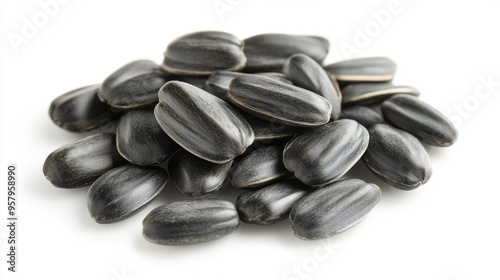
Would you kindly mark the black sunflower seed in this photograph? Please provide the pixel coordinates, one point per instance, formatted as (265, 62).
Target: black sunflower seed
(368, 69)
(370, 93)
(362, 114)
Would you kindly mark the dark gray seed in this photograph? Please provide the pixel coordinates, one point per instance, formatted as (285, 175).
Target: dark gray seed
(270, 204)
(368, 69)
(307, 73)
(197, 81)
(190, 222)
(201, 123)
(123, 191)
(369, 93)
(420, 119)
(363, 115)
(136, 84)
(272, 100)
(80, 110)
(269, 52)
(333, 208)
(397, 157)
(203, 53)
(259, 167)
(140, 139)
(79, 164)
(218, 83)
(322, 155)
(268, 130)
(194, 176)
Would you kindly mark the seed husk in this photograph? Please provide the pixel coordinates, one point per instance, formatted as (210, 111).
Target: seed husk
(260, 167)
(265, 130)
(194, 176)
(333, 208)
(134, 85)
(272, 100)
(420, 119)
(140, 139)
(362, 114)
(80, 110)
(218, 83)
(190, 222)
(397, 157)
(269, 52)
(369, 93)
(307, 73)
(201, 123)
(270, 204)
(361, 70)
(322, 155)
(123, 191)
(202, 53)
(79, 164)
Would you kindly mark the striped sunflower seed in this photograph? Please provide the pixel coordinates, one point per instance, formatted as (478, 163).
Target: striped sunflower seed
(322, 155)
(333, 208)
(370, 93)
(201, 123)
(362, 114)
(420, 119)
(368, 69)
(397, 157)
(202, 53)
(190, 222)
(123, 191)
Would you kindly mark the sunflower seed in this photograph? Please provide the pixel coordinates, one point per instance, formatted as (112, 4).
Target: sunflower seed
(194, 176)
(420, 119)
(269, 52)
(123, 191)
(79, 164)
(259, 168)
(368, 69)
(270, 204)
(397, 157)
(201, 123)
(218, 83)
(307, 73)
(322, 155)
(134, 85)
(370, 93)
(363, 115)
(80, 110)
(272, 100)
(140, 139)
(203, 53)
(268, 130)
(190, 221)
(333, 208)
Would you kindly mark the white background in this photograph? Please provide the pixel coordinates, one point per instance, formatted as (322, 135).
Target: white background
(447, 229)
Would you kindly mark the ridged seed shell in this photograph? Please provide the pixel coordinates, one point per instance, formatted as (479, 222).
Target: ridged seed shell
(360, 70)
(369, 93)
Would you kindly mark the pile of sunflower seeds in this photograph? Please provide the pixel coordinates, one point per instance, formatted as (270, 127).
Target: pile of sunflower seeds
(263, 114)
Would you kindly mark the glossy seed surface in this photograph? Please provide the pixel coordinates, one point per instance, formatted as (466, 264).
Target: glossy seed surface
(306, 73)
(272, 100)
(136, 84)
(333, 208)
(259, 167)
(80, 110)
(368, 69)
(140, 139)
(201, 123)
(369, 93)
(195, 176)
(203, 53)
(322, 155)
(362, 114)
(267, 130)
(124, 191)
(190, 222)
(218, 83)
(420, 119)
(397, 157)
(270, 204)
(79, 164)
(269, 52)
